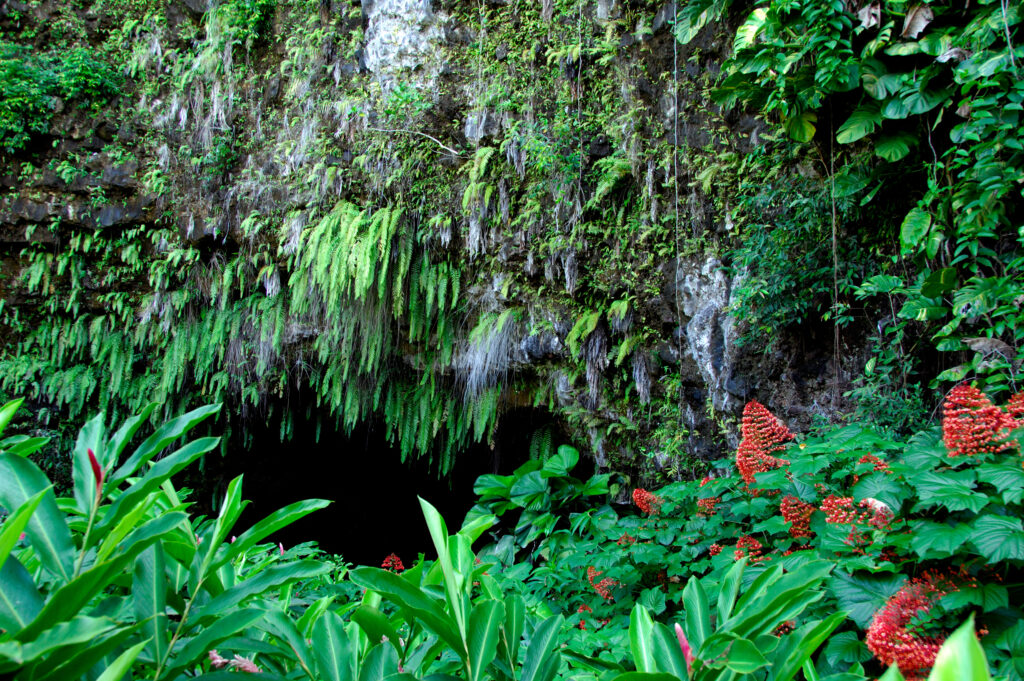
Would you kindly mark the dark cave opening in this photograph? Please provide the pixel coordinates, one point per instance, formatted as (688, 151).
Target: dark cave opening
(375, 510)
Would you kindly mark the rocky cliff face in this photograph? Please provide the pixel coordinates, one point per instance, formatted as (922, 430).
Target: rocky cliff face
(430, 212)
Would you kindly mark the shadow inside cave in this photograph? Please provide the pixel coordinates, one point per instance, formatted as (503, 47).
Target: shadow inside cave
(375, 510)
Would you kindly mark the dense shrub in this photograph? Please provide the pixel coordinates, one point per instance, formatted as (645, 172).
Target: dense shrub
(31, 83)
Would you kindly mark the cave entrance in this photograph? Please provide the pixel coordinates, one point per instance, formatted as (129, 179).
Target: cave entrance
(375, 510)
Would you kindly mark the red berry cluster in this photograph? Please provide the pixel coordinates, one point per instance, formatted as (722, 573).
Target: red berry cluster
(798, 514)
(891, 637)
(839, 509)
(762, 434)
(626, 539)
(715, 549)
(582, 609)
(972, 425)
(876, 462)
(604, 587)
(647, 502)
(747, 546)
(393, 564)
(1015, 406)
(706, 507)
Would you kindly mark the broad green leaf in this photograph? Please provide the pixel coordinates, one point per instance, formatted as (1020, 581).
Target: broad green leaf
(564, 460)
(284, 629)
(15, 524)
(120, 666)
(7, 412)
(335, 657)
(746, 34)
(987, 596)
(376, 626)
(149, 598)
(379, 664)
(188, 652)
(20, 601)
(893, 148)
(846, 647)
(796, 648)
(744, 657)
(484, 621)
(861, 596)
(938, 540)
(161, 471)
(641, 639)
(914, 228)
(76, 661)
(939, 282)
(531, 491)
(21, 480)
(801, 127)
(68, 600)
(998, 538)
(453, 582)
(119, 440)
(512, 629)
(90, 436)
(78, 630)
(952, 489)
(644, 676)
(1007, 478)
(270, 578)
(22, 445)
(230, 510)
(161, 438)
(698, 617)
(277, 520)
(861, 123)
(653, 599)
(668, 656)
(961, 657)
(412, 599)
(729, 589)
(541, 649)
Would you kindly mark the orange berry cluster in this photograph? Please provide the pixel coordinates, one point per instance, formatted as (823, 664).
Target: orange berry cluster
(647, 502)
(604, 587)
(762, 434)
(393, 564)
(890, 637)
(706, 507)
(972, 425)
(747, 546)
(798, 514)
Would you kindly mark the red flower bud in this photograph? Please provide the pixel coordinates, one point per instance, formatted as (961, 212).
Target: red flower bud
(97, 472)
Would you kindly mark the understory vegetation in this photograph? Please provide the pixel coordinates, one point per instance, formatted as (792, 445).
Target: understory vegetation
(640, 218)
(828, 557)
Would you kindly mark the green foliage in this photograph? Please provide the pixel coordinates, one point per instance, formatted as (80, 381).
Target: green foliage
(884, 79)
(30, 84)
(120, 576)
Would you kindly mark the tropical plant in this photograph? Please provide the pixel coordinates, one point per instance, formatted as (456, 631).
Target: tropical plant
(119, 576)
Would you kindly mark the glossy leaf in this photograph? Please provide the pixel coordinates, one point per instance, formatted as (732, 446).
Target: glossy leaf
(122, 664)
(149, 598)
(482, 646)
(15, 524)
(20, 601)
(641, 639)
(21, 480)
(333, 649)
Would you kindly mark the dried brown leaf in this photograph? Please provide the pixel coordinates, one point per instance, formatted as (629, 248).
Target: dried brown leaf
(870, 15)
(953, 54)
(989, 346)
(916, 21)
